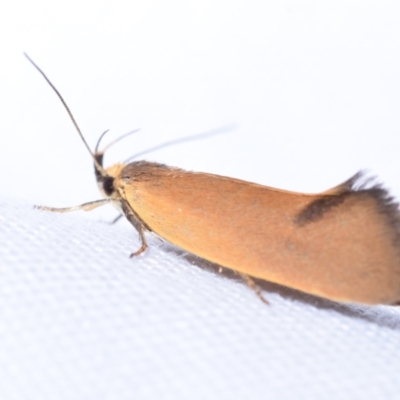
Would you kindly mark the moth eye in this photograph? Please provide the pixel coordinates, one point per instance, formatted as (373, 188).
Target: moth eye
(108, 185)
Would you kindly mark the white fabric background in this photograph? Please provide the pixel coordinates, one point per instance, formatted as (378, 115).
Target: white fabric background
(80, 320)
(313, 88)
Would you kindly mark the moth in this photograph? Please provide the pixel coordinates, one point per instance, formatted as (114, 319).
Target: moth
(342, 244)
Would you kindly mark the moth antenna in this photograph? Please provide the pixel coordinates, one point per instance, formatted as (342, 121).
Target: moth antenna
(197, 136)
(101, 170)
(96, 150)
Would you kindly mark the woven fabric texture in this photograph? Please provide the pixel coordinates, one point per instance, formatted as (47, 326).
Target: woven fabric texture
(79, 319)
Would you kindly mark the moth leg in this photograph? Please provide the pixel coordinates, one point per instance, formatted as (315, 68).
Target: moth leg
(85, 207)
(134, 219)
(144, 245)
(116, 219)
(253, 286)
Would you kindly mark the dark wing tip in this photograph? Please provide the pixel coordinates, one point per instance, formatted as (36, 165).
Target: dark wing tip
(360, 183)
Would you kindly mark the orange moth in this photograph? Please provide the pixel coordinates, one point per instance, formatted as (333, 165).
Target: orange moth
(342, 244)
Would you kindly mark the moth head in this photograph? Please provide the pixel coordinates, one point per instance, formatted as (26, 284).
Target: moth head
(106, 182)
